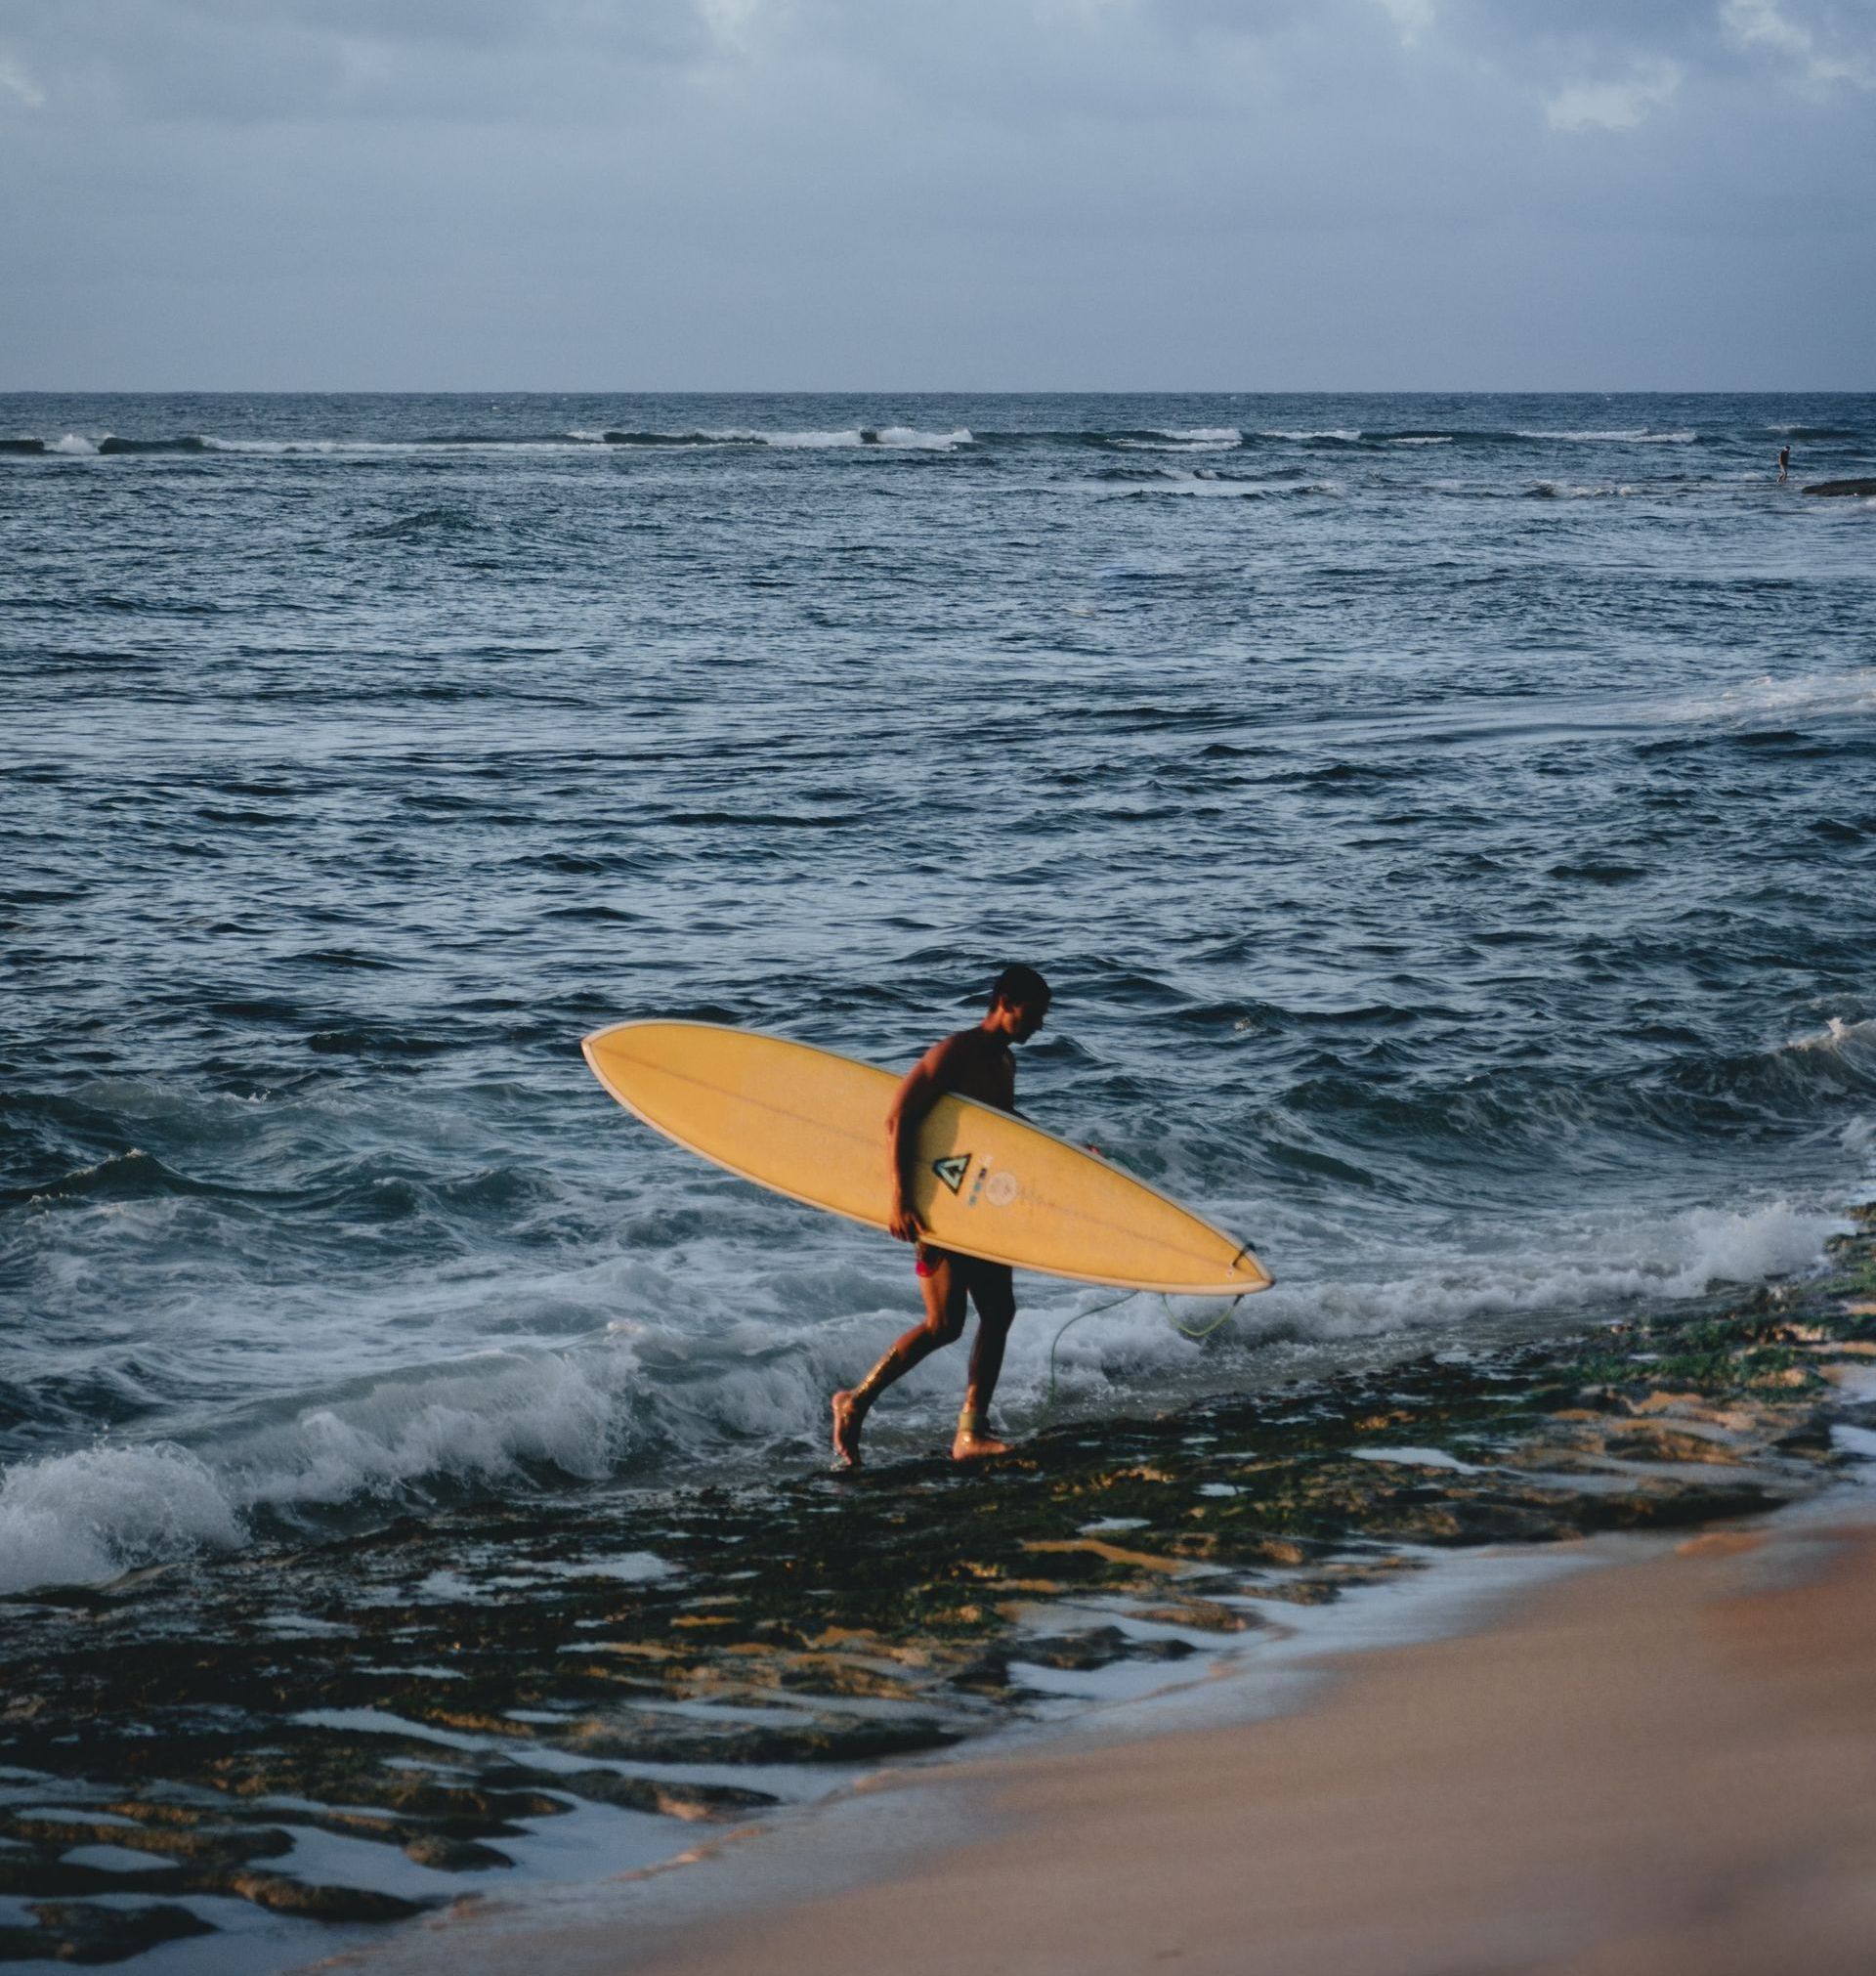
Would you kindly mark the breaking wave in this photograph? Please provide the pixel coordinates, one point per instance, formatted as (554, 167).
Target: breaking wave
(1581, 490)
(540, 1419)
(499, 1417)
(598, 437)
(109, 444)
(1633, 436)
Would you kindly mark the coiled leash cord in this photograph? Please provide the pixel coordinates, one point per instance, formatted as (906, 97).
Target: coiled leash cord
(1114, 1303)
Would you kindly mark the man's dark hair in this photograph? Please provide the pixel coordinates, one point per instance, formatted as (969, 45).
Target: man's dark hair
(1018, 987)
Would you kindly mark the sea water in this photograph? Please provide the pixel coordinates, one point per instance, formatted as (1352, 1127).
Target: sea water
(1448, 823)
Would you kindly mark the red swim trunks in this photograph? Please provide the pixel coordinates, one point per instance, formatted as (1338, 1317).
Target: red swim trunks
(925, 1258)
(978, 1276)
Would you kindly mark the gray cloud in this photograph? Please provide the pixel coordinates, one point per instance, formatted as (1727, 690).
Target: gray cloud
(268, 61)
(966, 192)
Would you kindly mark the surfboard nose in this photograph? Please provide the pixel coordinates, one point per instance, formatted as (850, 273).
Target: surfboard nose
(1250, 1271)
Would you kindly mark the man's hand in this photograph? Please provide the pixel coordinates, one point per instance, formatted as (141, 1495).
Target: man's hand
(916, 1095)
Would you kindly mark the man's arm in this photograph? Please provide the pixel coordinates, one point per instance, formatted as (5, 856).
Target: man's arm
(920, 1089)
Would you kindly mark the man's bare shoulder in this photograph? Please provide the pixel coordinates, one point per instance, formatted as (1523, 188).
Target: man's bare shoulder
(972, 1064)
(970, 1042)
(968, 1046)
(947, 1054)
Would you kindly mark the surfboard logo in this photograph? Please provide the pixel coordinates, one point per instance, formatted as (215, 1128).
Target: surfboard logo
(951, 1171)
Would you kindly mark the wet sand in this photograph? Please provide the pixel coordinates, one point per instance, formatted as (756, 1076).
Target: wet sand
(1664, 1766)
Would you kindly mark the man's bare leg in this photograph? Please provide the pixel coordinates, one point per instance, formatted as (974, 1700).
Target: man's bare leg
(848, 1414)
(995, 1301)
(943, 1325)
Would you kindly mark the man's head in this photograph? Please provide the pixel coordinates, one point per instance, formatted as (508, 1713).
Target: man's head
(1020, 998)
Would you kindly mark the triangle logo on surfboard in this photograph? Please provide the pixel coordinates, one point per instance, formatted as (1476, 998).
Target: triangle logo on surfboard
(951, 1171)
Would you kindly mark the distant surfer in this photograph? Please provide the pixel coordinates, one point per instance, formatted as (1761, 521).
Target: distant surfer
(1785, 463)
(973, 1063)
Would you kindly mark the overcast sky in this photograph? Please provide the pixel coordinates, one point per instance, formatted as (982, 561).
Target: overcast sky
(963, 194)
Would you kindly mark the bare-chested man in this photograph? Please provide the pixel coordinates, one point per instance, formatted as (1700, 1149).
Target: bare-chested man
(974, 1063)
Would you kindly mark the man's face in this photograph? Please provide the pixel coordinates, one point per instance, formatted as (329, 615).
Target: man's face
(1029, 1018)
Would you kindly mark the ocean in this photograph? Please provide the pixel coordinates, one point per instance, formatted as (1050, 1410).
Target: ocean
(1447, 822)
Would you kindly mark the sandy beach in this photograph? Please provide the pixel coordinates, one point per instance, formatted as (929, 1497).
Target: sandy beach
(1658, 1766)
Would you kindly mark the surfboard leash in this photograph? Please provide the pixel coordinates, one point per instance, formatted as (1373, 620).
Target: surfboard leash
(1205, 1330)
(1114, 1303)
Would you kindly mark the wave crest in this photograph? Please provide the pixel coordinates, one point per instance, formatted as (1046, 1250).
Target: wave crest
(1626, 436)
(88, 1517)
(78, 1519)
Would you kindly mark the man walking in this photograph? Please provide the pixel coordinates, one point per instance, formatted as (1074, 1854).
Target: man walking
(973, 1063)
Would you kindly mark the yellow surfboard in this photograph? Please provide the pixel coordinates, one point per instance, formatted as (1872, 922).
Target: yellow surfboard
(812, 1124)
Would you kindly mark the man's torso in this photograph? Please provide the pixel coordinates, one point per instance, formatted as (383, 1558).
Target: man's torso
(971, 1064)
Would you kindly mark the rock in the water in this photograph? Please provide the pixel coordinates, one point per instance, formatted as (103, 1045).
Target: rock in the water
(83, 1931)
(453, 1855)
(320, 1904)
(1866, 488)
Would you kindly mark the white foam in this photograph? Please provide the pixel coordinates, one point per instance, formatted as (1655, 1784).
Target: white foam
(1805, 695)
(1422, 439)
(87, 1517)
(1586, 1264)
(628, 1567)
(91, 1515)
(850, 436)
(780, 1338)
(1809, 693)
(1631, 436)
(1190, 439)
(1837, 1036)
(1176, 444)
(1584, 490)
(1343, 432)
(479, 1419)
(903, 436)
(1418, 1457)
(398, 448)
(75, 443)
(1201, 485)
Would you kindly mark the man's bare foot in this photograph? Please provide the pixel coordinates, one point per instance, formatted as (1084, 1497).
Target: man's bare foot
(846, 1431)
(973, 1445)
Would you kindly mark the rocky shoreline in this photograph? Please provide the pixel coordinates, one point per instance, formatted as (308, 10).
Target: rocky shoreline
(442, 1687)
